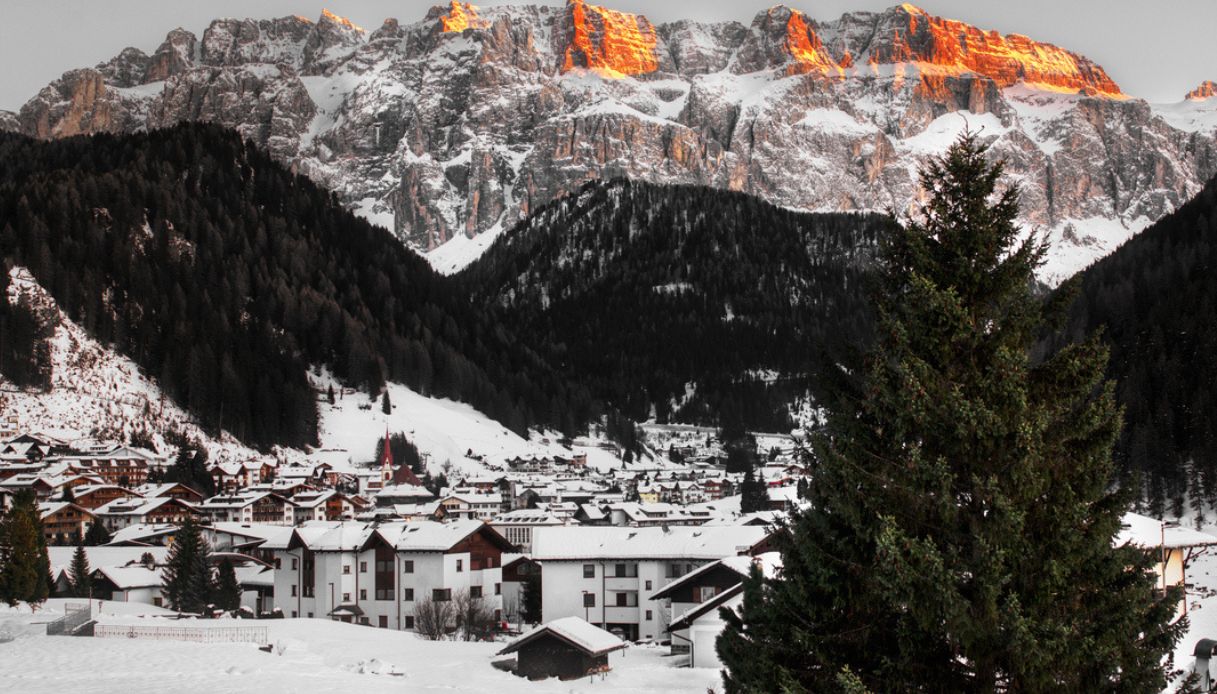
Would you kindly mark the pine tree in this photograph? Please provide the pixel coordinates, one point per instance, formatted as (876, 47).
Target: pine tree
(530, 597)
(79, 574)
(753, 494)
(25, 569)
(96, 535)
(188, 584)
(385, 405)
(960, 531)
(228, 591)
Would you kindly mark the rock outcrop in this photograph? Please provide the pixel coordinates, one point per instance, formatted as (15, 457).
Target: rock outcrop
(463, 122)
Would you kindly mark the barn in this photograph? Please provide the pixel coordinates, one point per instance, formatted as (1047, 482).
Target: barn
(566, 648)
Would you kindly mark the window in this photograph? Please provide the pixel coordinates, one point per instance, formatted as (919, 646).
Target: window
(293, 591)
(627, 599)
(278, 563)
(346, 597)
(648, 585)
(409, 596)
(295, 563)
(346, 568)
(384, 594)
(364, 621)
(408, 566)
(409, 622)
(383, 566)
(625, 570)
(475, 591)
(441, 594)
(589, 570)
(460, 565)
(363, 593)
(310, 615)
(589, 599)
(293, 614)
(157, 601)
(649, 617)
(498, 589)
(363, 567)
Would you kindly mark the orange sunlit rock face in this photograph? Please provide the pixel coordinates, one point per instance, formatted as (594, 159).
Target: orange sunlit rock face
(806, 48)
(959, 47)
(614, 44)
(341, 21)
(462, 16)
(1206, 90)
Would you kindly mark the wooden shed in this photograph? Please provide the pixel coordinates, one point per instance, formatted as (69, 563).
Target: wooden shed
(566, 648)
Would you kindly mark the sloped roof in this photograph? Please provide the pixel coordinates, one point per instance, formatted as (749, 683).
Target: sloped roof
(586, 637)
(680, 542)
(686, 620)
(769, 562)
(431, 536)
(1144, 531)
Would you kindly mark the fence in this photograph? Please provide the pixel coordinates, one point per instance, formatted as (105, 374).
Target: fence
(194, 634)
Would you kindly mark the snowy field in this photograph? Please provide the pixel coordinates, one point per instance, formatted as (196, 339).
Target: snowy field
(317, 656)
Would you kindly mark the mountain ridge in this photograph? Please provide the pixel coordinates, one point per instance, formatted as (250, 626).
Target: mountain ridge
(462, 123)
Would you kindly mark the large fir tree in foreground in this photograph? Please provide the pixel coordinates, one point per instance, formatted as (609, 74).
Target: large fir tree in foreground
(959, 535)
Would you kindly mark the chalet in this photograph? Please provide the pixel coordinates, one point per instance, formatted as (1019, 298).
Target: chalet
(230, 477)
(643, 515)
(173, 490)
(1174, 545)
(129, 574)
(94, 495)
(471, 505)
(121, 513)
(607, 574)
(125, 466)
(695, 598)
(249, 507)
(566, 648)
(64, 522)
(715, 489)
(33, 447)
(377, 574)
(327, 505)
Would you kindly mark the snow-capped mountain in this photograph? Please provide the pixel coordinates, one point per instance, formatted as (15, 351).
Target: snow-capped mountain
(455, 127)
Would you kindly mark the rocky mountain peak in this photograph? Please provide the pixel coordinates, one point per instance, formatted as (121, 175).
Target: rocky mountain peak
(608, 42)
(908, 34)
(1206, 90)
(461, 16)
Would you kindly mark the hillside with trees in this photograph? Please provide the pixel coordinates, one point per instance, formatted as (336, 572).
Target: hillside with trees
(1154, 300)
(688, 303)
(225, 276)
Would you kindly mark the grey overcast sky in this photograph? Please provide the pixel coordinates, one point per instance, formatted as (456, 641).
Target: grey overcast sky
(1155, 49)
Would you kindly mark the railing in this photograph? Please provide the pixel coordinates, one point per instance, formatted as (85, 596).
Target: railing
(75, 615)
(193, 634)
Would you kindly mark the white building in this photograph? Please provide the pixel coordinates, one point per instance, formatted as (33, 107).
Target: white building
(607, 575)
(376, 574)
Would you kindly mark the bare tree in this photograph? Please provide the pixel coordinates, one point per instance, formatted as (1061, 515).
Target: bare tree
(474, 618)
(432, 618)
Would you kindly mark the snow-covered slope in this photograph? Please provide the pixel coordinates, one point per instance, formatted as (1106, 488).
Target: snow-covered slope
(97, 393)
(463, 123)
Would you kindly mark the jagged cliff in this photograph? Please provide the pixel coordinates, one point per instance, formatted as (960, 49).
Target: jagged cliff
(462, 123)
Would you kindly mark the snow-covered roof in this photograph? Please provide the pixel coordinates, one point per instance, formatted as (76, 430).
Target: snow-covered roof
(529, 516)
(681, 542)
(105, 556)
(430, 536)
(127, 577)
(574, 630)
(1144, 531)
(769, 563)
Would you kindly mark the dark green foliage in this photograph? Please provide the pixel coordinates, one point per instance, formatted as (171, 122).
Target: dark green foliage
(25, 354)
(25, 570)
(530, 597)
(960, 527)
(385, 406)
(754, 495)
(404, 453)
(188, 582)
(643, 289)
(228, 591)
(96, 535)
(225, 276)
(79, 574)
(1154, 300)
(190, 468)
